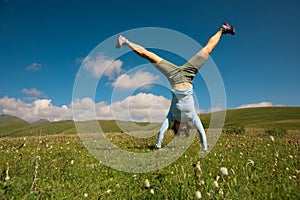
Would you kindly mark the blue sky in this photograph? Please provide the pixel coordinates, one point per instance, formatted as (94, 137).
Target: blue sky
(43, 43)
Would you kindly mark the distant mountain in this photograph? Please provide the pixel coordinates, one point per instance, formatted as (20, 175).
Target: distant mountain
(41, 121)
(8, 119)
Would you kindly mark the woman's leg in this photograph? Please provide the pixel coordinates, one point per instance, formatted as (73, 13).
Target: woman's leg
(138, 49)
(214, 40)
(200, 58)
(211, 44)
(144, 53)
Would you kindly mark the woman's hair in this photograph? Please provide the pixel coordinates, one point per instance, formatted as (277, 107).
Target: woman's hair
(179, 127)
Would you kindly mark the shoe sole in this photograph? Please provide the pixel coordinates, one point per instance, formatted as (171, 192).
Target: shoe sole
(118, 43)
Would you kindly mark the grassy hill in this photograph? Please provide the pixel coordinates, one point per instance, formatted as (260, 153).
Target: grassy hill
(266, 117)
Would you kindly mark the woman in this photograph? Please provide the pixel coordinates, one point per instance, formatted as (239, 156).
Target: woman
(181, 78)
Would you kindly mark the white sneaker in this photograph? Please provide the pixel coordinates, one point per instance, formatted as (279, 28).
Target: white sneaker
(121, 41)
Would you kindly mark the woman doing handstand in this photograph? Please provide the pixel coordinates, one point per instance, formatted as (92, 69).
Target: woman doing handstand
(182, 109)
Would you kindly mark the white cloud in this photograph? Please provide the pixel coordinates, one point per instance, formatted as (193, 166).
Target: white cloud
(39, 109)
(141, 107)
(34, 67)
(261, 104)
(215, 109)
(102, 65)
(140, 79)
(32, 91)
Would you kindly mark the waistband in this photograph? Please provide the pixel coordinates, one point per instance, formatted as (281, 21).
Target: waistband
(185, 92)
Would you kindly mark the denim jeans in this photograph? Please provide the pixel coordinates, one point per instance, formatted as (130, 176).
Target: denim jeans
(182, 109)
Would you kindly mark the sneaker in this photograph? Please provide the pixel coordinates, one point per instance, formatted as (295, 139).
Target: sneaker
(121, 41)
(227, 28)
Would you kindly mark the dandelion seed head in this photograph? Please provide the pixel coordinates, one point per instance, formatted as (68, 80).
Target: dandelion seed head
(7, 178)
(198, 195)
(224, 171)
(147, 183)
(221, 192)
(202, 182)
(152, 191)
(216, 184)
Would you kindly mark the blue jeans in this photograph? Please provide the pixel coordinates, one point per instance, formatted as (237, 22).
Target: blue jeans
(183, 110)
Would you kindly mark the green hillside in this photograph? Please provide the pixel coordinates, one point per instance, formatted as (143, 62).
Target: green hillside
(7, 119)
(266, 117)
(10, 124)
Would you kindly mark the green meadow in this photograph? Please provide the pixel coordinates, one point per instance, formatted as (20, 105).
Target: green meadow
(256, 157)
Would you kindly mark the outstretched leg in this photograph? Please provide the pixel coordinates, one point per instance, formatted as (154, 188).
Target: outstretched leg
(139, 50)
(215, 39)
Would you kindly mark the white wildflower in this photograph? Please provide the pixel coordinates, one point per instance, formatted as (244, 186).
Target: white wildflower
(202, 182)
(198, 195)
(216, 184)
(224, 171)
(85, 195)
(221, 192)
(72, 162)
(272, 138)
(152, 191)
(147, 183)
(108, 191)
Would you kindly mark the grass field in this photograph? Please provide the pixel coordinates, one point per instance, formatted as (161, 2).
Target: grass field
(54, 164)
